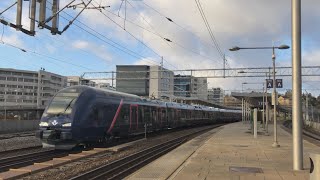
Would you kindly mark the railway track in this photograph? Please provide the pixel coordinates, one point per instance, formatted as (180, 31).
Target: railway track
(311, 137)
(13, 135)
(125, 166)
(28, 159)
(19, 150)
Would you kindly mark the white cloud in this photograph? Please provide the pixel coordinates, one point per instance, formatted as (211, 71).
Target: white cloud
(96, 49)
(233, 22)
(80, 44)
(13, 39)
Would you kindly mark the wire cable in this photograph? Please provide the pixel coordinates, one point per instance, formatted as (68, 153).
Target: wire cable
(128, 32)
(113, 44)
(208, 27)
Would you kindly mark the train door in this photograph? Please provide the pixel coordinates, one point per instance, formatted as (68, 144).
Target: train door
(133, 118)
(159, 117)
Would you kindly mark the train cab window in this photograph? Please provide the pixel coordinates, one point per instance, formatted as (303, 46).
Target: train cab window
(62, 103)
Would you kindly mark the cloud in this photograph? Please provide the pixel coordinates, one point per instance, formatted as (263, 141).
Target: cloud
(80, 44)
(245, 23)
(13, 39)
(96, 49)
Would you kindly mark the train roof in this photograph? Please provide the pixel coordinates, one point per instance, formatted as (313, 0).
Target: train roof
(143, 101)
(82, 88)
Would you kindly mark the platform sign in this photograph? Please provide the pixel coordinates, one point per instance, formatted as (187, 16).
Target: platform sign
(279, 83)
(269, 83)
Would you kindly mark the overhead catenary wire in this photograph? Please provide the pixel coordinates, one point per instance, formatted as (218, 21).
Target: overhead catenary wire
(180, 45)
(209, 28)
(155, 32)
(129, 32)
(43, 55)
(167, 39)
(108, 41)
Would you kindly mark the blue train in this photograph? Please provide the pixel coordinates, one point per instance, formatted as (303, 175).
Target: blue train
(83, 115)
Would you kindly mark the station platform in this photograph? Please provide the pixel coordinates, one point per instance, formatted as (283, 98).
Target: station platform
(230, 153)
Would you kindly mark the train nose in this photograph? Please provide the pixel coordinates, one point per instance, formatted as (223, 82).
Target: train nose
(54, 134)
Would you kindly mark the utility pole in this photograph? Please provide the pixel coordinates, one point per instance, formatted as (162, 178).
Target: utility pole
(33, 16)
(275, 101)
(263, 104)
(307, 107)
(38, 90)
(296, 86)
(112, 78)
(19, 15)
(224, 65)
(161, 80)
(42, 14)
(55, 8)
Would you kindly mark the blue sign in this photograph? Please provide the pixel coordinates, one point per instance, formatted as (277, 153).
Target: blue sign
(279, 83)
(269, 83)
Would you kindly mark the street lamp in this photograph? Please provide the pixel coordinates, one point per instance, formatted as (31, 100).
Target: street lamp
(236, 48)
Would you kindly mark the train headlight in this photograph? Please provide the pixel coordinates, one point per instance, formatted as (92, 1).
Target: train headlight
(44, 124)
(66, 125)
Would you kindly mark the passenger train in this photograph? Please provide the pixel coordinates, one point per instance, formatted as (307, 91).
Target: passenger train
(83, 115)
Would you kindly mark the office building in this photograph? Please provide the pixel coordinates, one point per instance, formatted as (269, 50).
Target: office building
(143, 80)
(76, 80)
(216, 95)
(23, 88)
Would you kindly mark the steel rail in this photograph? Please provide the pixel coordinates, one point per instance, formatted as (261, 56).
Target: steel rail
(28, 159)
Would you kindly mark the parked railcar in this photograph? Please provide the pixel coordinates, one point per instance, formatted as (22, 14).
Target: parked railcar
(81, 115)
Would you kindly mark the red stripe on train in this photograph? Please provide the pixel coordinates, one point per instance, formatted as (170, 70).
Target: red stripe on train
(115, 116)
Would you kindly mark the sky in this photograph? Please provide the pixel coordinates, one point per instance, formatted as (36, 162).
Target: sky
(133, 32)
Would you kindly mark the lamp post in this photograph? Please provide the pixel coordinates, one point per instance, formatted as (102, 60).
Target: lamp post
(275, 140)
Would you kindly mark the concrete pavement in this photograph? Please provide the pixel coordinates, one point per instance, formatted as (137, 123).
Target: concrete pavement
(230, 153)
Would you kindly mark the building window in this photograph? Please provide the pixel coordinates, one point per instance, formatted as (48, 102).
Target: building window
(2, 85)
(28, 80)
(12, 86)
(28, 87)
(12, 79)
(5, 72)
(28, 74)
(11, 100)
(17, 73)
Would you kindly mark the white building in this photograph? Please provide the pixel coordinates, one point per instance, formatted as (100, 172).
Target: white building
(161, 83)
(105, 86)
(22, 88)
(216, 95)
(76, 80)
(199, 88)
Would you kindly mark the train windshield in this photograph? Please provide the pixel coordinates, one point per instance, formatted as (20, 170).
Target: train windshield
(62, 103)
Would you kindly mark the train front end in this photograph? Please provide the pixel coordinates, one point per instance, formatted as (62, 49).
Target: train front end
(55, 127)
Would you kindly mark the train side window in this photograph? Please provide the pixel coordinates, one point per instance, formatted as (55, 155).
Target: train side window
(124, 114)
(154, 115)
